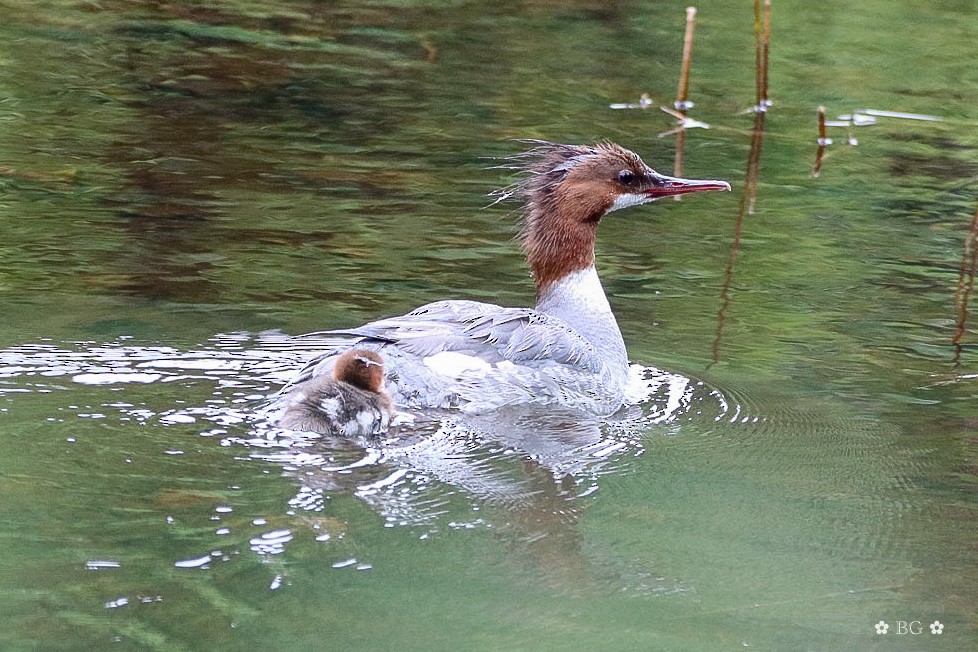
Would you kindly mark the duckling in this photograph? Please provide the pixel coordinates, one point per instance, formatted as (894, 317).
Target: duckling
(351, 401)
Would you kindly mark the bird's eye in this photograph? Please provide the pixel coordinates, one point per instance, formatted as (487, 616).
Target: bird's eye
(626, 177)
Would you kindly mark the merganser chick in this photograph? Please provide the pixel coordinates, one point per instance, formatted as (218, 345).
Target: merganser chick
(568, 350)
(351, 401)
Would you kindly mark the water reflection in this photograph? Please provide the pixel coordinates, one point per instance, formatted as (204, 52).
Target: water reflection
(518, 457)
(965, 286)
(201, 87)
(748, 198)
(522, 472)
(752, 175)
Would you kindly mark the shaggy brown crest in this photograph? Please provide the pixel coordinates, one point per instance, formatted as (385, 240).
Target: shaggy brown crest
(569, 188)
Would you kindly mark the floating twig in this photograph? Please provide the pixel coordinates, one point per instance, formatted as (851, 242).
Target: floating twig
(685, 122)
(868, 117)
(846, 121)
(878, 113)
(857, 120)
(644, 102)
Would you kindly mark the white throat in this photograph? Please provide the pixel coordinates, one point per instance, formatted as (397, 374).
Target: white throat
(579, 300)
(628, 199)
(580, 292)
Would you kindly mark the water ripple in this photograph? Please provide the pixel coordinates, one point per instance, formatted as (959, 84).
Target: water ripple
(517, 458)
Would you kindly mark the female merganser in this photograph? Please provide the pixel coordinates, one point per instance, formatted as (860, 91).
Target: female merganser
(568, 350)
(351, 401)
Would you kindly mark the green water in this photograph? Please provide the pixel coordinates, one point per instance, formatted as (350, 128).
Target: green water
(182, 184)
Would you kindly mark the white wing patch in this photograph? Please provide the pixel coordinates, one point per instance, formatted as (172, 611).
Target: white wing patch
(453, 363)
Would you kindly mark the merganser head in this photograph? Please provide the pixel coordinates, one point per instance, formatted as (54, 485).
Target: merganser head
(570, 188)
(361, 368)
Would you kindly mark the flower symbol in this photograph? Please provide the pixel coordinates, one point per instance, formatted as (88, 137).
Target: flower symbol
(881, 627)
(937, 627)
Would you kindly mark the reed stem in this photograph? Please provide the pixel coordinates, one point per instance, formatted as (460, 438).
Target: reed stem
(682, 93)
(822, 142)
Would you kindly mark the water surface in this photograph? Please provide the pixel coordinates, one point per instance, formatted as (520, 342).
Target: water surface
(186, 186)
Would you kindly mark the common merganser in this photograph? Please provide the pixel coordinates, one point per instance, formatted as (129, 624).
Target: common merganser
(568, 350)
(350, 401)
